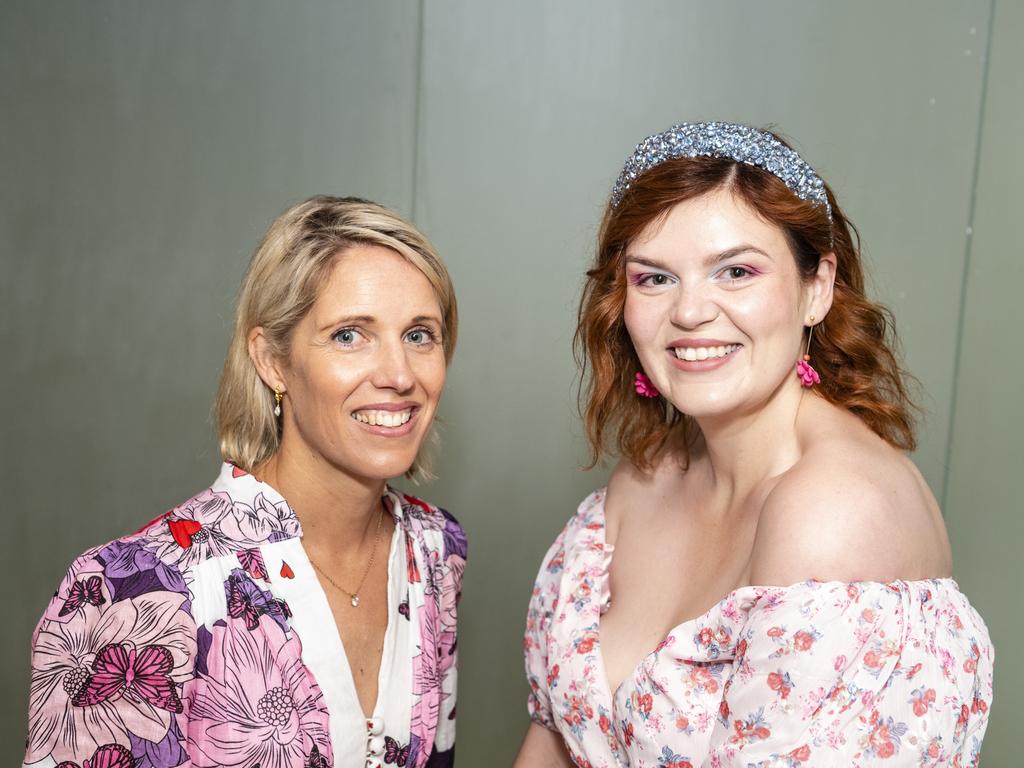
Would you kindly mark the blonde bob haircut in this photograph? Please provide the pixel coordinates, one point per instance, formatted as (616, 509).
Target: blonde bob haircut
(280, 286)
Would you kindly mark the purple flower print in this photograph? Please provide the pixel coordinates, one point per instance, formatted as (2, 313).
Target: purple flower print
(164, 754)
(248, 602)
(134, 570)
(454, 537)
(259, 703)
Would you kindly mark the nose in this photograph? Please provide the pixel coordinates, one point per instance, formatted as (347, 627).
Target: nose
(392, 370)
(694, 307)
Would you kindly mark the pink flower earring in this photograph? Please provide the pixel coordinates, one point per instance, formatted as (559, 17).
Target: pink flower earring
(808, 376)
(644, 386)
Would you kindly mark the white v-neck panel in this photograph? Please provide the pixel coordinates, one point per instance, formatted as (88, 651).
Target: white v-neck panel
(324, 654)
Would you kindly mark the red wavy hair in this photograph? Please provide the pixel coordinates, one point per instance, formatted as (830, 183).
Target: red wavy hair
(853, 345)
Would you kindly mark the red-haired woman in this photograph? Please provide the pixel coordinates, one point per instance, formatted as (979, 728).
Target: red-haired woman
(766, 578)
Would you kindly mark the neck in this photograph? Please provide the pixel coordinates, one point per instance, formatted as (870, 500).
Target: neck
(745, 449)
(338, 511)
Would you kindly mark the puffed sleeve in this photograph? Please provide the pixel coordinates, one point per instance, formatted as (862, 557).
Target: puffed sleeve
(454, 552)
(543, 603)
(840, 674)
(109, 659)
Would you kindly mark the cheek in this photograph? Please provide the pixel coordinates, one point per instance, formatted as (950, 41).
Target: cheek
(642, 318)
(431, 373)
(763, 314)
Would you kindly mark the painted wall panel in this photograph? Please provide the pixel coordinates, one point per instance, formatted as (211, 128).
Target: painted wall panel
(983, 506)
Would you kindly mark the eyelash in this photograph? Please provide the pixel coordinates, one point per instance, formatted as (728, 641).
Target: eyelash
(644, 279)
(747, 270)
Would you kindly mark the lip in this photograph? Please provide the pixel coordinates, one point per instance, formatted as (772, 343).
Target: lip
(700, 366)
(401, 431)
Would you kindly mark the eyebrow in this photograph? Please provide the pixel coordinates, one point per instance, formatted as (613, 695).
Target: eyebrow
(370, 320)
(709, 261)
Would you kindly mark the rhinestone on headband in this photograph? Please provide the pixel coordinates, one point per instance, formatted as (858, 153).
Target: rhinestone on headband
(729, 140)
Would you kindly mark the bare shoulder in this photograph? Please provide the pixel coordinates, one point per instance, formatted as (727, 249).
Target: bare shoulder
(638, 491)
(852, 508)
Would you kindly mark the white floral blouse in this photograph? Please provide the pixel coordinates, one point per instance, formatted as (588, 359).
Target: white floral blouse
(814, 674)
(205, 640)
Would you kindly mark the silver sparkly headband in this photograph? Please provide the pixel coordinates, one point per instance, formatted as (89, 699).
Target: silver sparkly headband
(729, 140)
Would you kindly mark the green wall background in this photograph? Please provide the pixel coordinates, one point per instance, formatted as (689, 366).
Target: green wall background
(146, 146)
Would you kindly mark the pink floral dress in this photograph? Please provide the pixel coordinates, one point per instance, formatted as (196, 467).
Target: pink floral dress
(205, 640)
(814, 674)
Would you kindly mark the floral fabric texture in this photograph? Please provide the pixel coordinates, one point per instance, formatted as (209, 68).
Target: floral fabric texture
(206, 640)
(813, 674)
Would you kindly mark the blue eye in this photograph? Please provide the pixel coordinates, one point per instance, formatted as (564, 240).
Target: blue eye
(346, 336)
(421, 337)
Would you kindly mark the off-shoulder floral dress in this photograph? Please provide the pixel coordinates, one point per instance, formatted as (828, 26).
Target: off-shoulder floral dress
(813, 674)
(205, 640)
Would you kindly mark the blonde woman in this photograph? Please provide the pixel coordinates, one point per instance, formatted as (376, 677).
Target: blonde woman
(299, 612)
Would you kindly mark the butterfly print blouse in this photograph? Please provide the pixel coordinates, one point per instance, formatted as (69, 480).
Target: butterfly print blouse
(813, 674)
(206, 640)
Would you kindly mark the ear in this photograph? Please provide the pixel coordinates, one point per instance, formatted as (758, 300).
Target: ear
(818, 292)
(268, 366)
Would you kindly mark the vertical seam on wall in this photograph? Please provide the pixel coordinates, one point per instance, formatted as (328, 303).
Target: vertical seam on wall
(416, 113)
(968, 248)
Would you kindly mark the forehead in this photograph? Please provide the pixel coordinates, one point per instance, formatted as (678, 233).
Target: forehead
(378, 281)
(711, 223)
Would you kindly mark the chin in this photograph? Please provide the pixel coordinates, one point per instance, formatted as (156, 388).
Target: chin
(379, 467)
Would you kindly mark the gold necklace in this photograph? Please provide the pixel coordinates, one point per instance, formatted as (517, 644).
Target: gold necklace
(354, 596)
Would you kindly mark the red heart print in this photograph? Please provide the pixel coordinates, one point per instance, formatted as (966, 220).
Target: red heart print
(286, 570)
(182, 531)
(236, 472)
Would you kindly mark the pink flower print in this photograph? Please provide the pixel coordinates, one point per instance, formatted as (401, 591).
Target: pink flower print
(881, 741)
(873, 660)
(206, 510)
(781, 683)
(262, 522)
(107, 756)
(801, 754)
(585, 644)
(971, 664)
(259, 703)
(122, 670)
(802, 641)
(921, 699)
(79, 590)
(754, 728)
(840, 662)
(67, 722)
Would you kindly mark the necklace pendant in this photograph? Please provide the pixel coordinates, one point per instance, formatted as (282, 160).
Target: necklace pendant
(355, 601)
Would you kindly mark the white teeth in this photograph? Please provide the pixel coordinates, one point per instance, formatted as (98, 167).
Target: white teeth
(383, 418)
(705, 353)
